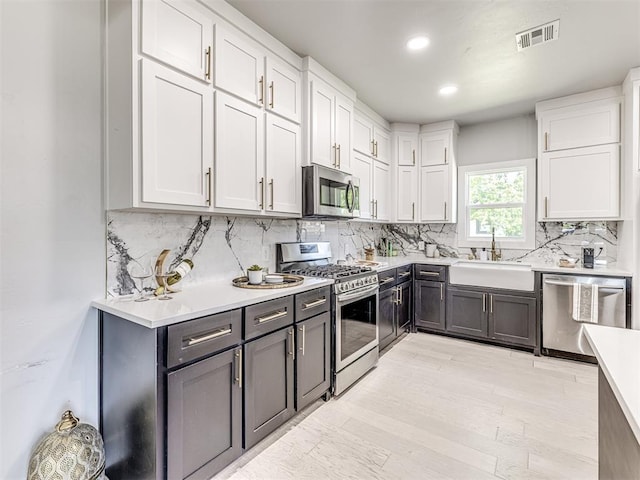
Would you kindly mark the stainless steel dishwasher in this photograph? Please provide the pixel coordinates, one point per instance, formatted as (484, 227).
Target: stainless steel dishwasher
(571, 301)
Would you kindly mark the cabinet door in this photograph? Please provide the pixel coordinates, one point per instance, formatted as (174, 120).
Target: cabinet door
(313, 372)
(386, 317)
(407, 148)
(204, 416)
(268, 395)
(239, 66)
(179, 34)
(323, 150)
(593, 123)
(581, 183)
(403, 309)
(512, 319)
(407, 192)
(239, 159)
(362, 135)
(344, 132)
(362, 171)
(435, 148)
(284, 184)
(177, 137)
(381, 186)
(429, 302)
(467, 312)
(284, 89)
(435, 187)
(382, 140)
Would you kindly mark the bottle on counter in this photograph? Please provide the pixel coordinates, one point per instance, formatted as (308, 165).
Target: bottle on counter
(484, 256)
(182, 270)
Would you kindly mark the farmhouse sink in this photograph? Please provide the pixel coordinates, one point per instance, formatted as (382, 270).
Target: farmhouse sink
(507, 275)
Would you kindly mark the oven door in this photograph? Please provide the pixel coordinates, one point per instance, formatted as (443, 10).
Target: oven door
(356, 324)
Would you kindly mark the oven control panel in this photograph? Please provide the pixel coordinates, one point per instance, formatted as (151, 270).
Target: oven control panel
(348, 285)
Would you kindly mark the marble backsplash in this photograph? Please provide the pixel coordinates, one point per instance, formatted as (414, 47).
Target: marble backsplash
(223, 247)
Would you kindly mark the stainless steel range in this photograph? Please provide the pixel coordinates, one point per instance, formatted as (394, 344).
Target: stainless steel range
(354, 307)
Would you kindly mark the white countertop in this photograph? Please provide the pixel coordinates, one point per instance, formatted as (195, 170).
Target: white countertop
(618, 354)
(393, 262)
(197, 301)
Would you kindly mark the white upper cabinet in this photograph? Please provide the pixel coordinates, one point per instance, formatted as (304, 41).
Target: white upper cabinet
(331, 127)
(283, 174)
(406, 149)
(178, 33)
(593, 123)
(245, 69)
(371, 139)
(284, 89)
(239, 155)
(579, 156)
(581, 183)
(177, 137)
(362, 171)
(435, 194)
(435, 148)
(407, 194)
(381, 184)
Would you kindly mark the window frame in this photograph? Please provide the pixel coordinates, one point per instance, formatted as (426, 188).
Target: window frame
(529, 207)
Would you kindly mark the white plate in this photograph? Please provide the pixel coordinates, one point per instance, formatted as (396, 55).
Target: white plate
(273, 278)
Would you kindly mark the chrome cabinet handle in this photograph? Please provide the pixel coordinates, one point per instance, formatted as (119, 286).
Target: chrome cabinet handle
(207, 60)
(261, 182)
(238, 376)
(376, 204)
(484, 302)
(208, 336)
(261, 82)
(315, 303)
(404, 274)
(387, 280)
(209, 175)
(272, 316)
(445, 154)
(491, 303)
(292, 344)
(302, 330)
(373, 148)
(400, 295)
(339, 155)
(414, 156)
(413, 210)
(271, 185)
(445, 210)
(546, 141)
(271, 89)
(429, 274)
(546, 207)
(441, 292)
(335, 155)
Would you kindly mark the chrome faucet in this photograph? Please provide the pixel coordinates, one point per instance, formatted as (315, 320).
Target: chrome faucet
(495, 254)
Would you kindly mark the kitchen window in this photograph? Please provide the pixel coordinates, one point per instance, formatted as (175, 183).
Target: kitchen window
(498, 196)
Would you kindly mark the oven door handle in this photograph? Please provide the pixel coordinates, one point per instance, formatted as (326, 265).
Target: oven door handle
(359, 293)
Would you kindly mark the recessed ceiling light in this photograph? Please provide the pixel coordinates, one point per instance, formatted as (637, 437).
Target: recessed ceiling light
(418, 43)
(448, 90)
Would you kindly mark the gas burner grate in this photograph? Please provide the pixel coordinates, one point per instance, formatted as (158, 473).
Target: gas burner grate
(330, 271)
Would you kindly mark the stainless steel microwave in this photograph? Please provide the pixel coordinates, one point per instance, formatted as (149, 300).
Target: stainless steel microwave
(328, 193)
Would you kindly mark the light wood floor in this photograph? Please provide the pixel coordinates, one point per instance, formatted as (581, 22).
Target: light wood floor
(441, 408)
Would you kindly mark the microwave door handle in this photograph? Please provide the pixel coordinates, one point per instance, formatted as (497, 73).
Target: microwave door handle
(350, 188)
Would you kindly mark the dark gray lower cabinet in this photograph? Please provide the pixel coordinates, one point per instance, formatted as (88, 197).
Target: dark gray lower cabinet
(429, 304)
(403, 308)
(513, 319)
(386, 317)
(506, 318)
(268, 396)
(204, 416)
(313, 359)
(467, 312)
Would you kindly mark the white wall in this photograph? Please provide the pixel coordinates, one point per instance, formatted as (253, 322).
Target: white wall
(52, 232)
(509, 139)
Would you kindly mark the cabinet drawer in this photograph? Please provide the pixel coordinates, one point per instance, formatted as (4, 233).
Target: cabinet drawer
(387, 278)
(197, 338)
(267, 317)
(404, 273)
(310, 304)
(436, 273)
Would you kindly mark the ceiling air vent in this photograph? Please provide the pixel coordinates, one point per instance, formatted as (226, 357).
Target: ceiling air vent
(538, 35)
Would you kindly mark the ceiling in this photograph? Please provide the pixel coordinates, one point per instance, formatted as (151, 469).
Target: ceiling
(472, 45)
